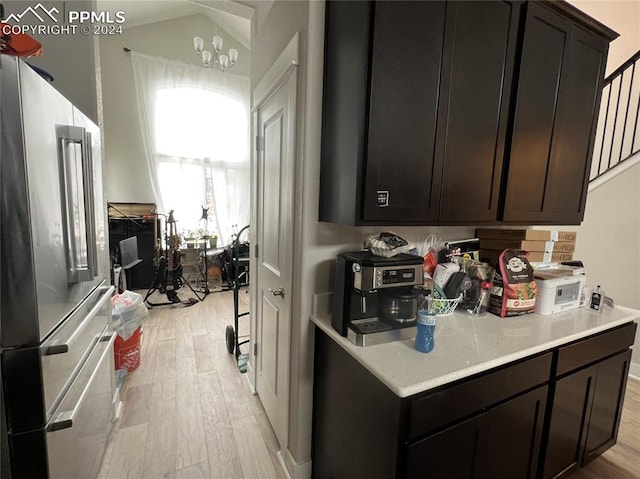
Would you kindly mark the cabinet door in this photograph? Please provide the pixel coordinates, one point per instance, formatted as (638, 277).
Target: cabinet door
(607, 405)
(452, 454)
(502, 442)
(513, 433)
(571, 405)
(344, 109)
(356, 423)
(402, 180)
(574, 130)
(479, 54)
(558, 95)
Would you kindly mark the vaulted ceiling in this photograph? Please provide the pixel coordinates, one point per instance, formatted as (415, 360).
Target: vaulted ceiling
(231, 16)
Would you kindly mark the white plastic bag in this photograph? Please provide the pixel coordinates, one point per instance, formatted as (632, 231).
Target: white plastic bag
(387, 245)
(128, 313)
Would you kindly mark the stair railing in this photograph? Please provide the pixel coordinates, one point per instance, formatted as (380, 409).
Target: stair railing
(617, 135)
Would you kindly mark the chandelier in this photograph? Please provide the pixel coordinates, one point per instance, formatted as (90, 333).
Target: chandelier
(222, 62)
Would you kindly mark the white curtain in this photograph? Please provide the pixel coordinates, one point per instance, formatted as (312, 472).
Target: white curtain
(195, 124)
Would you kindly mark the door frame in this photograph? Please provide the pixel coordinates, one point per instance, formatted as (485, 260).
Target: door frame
(285, 65)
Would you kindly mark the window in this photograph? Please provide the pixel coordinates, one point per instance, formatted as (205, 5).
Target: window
(198, 124)
(202, 150)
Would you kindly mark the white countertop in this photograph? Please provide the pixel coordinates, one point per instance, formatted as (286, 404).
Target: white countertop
(466, 345)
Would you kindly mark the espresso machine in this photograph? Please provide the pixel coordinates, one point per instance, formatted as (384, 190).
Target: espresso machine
(375, 299)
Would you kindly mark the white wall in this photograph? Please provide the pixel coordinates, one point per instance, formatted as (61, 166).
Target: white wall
(608, 238)
(623, 16)
(260, 11)
(608, 242)
(127, 179)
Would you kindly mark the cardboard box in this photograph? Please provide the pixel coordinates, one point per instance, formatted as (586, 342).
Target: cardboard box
(519, 234)
(563, 235)
(536, 256)
(527, 245)
(560, 257)
(564, 246)
(492, 256)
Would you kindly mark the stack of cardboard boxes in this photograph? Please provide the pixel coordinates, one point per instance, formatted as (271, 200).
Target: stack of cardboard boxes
(542, 245)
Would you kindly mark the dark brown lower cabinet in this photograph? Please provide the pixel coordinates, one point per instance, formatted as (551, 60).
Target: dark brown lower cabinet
(486, 426)
(432, 457)
(514, 435)
(356, 423)
(538, 417)
(501, 442)
(569, 411)
(606, 408)
(585, 414)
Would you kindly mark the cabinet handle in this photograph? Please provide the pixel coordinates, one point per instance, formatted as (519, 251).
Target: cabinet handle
(66, 419)
(62, 348)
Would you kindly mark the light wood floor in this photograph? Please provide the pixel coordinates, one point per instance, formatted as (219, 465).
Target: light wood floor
(189, 412)
(622, 461)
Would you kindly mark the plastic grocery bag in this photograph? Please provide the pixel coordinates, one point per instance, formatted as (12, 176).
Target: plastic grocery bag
(128, 313)
(387, 245)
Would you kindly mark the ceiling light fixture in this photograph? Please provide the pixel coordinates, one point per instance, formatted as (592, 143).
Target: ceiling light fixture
(222, 62)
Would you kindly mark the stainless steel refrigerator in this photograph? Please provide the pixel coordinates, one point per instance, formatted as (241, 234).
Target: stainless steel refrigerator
(56, 342)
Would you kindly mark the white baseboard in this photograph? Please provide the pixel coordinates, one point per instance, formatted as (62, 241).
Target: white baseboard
(117, 408)
(251, 376)
(634, 370)
(283, 465)
(248, 376)
(293, 469)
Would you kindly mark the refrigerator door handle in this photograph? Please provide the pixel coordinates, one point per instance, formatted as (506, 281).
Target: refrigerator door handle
(78, 203)
(90, 201)
(65, 419)
(64, 347)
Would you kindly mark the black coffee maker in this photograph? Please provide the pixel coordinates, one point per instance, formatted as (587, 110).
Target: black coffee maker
(374, 294)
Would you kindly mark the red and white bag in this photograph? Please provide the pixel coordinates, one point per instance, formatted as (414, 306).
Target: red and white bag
(514, 288)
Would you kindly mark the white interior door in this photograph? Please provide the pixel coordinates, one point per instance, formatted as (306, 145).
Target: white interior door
(275, 128)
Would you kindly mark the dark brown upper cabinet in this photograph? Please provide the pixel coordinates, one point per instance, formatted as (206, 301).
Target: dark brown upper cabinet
(424, 100)
(402, 177)
(556, 108)
(480, 50)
